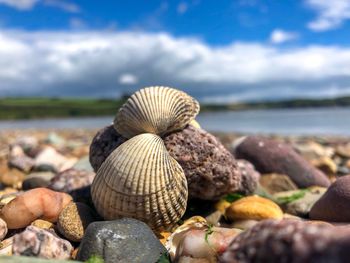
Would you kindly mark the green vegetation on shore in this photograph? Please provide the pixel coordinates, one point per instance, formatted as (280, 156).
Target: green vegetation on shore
(35, 107)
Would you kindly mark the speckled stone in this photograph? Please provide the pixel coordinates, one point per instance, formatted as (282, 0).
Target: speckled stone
(104, 142)
(210, 169)
(334, 205)
(3, 229)
(295, 241)
(43, 224)
(250, 177)
(122, 240)
(75, 182)
(73, 221)
(270, 156)
(41, 243)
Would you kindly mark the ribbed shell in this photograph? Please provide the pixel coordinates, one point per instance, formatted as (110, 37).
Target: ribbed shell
(140, 179)
(157, 110)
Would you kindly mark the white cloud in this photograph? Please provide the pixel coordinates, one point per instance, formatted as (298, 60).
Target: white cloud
(29, 4)
(279, 36)
(92, 63)
(64, 5)
(330, 14)
(128, 79)
(20, 4)
(182, 8)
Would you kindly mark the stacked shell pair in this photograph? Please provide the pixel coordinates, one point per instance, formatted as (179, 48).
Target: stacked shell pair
(139, 178)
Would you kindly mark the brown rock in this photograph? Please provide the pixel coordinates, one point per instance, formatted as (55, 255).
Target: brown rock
(270, 156)
(334, 205)
(73, 221)
(104, 142)
(287, 240)
(210, 169)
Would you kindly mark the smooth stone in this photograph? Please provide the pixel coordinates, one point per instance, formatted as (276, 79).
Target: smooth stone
(51, 160)
(122, 240)
(12, 178)
(343, 150)
(326, 165)
(74, 219)
(41, 243)
(244, 224)
(83, 164)
(250, 177)
(334, 205)
(312, 150)
(289, 240)
(301, 206)
(6, 247)
(253, 207)
(22, 162)
(36, 180)
(27, 143)
(54, 139)
(270, 156)
(274, 183)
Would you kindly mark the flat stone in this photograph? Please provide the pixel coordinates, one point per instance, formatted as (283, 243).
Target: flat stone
(123, 240)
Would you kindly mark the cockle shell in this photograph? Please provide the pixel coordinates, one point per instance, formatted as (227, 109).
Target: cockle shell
(158, 110)
(140, 179)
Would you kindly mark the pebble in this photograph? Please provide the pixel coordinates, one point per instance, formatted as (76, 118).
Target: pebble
(23, 259)
(253, 207)
(41, 243)
(274, 183)
(27, 143)
(343, 150)
(122, 240)
(23, 163)
(75, 182)
(326, 165)
(43, 224)
(250, 177)
(37, 179)
(39, 203)
(3, 229)
(51, 160)
(12, 178)
(334, 205)
(311, 150)
(83, 164)
(73, 220)
(6, 247)
(270, 156)
(301, 206)
(289, 240)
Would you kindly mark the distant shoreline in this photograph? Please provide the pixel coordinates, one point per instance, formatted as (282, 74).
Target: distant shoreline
(43, 108)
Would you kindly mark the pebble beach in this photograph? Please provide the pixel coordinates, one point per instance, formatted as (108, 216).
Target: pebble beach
(112, 194)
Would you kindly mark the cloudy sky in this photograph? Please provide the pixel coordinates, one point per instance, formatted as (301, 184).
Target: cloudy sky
(219, 51)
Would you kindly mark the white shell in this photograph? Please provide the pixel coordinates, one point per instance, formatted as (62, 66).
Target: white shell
(140, 179)
(157, 110)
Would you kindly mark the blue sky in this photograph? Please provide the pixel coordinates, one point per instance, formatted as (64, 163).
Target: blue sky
(216, 50)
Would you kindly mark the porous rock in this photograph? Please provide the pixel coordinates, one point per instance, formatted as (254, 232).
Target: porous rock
(289, 240)
(250, 177)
